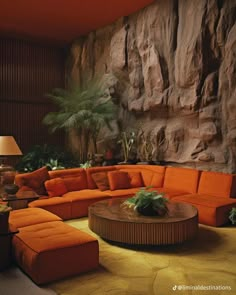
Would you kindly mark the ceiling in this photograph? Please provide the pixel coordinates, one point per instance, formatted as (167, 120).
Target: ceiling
(61, 21)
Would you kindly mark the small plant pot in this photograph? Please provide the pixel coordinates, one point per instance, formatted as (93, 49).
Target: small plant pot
(4, 216)
(147, 211)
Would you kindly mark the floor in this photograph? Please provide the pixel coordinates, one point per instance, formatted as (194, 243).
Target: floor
(206, 262)
(14, 282)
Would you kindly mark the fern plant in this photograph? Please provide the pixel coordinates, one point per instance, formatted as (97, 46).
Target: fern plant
(148, 202)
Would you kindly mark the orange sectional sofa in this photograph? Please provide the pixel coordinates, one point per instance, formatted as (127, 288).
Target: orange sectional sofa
(47, 249)
(71, 191)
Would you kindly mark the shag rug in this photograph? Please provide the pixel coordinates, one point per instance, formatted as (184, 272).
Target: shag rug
(207, 262)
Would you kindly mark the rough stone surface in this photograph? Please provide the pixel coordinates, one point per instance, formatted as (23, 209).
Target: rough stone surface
(172, 70)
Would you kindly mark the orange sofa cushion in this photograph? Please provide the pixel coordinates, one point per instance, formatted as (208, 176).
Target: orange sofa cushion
(101, 180)
(81, 200)
(136, 179)
(217, 184)
(181, 179)
(212, 211)
(30, 216)
(169, 193)
(70, 172)
(75, 183)
(118, 180)
(92, 170)
(129, 192)
(57, 205)
(25, 188)
(35, 180)
(152, 175)
(54, 250)
(55, 187)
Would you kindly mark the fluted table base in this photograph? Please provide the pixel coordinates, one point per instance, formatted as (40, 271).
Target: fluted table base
(142, 230)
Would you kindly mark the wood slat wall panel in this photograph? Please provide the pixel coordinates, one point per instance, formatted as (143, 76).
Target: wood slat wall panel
(27, 72)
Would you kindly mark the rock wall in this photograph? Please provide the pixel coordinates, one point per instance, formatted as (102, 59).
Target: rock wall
(172, 69)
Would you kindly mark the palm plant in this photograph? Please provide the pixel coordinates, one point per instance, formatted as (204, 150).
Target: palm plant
(85, 110)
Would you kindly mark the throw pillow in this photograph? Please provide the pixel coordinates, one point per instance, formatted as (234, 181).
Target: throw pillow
(136, 179)
(101, 180)
(36, 179)
(55, 187)
(118, 180)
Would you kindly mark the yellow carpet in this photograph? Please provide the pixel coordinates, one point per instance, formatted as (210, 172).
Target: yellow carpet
(207, 261)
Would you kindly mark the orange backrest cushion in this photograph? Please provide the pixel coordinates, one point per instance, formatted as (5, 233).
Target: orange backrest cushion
(75, 183)
(147, 177)
(118, 180)
(151, 174)
(101, 180)
(157, 179)
(75, 179)
(55, 187)
(92, 170)
(35, 180)
(70, 172)
(181, 179)
(136, 179)
(217, 184)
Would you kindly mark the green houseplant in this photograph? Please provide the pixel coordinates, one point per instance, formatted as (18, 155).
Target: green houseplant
(148, 203)
(46, 155)
(232, 216)
(127, 141)
(84, 110)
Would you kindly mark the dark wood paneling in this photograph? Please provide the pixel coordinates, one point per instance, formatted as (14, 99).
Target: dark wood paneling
(24, 122)
(27, 72)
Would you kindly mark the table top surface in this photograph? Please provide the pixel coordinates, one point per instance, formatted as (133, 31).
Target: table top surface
(114, 209)
(20, 195)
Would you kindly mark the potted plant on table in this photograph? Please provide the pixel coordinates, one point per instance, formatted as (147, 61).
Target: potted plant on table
(148, 203)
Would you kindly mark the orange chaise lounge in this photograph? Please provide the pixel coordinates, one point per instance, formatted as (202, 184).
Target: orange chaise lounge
(71, 191)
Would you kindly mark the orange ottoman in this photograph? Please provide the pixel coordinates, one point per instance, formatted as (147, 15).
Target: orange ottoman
(53, 250)
(30, 216)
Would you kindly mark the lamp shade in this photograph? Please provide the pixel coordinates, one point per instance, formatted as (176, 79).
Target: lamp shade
(9, 147)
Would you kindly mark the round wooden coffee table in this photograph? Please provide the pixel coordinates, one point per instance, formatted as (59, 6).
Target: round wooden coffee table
(112, 221)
